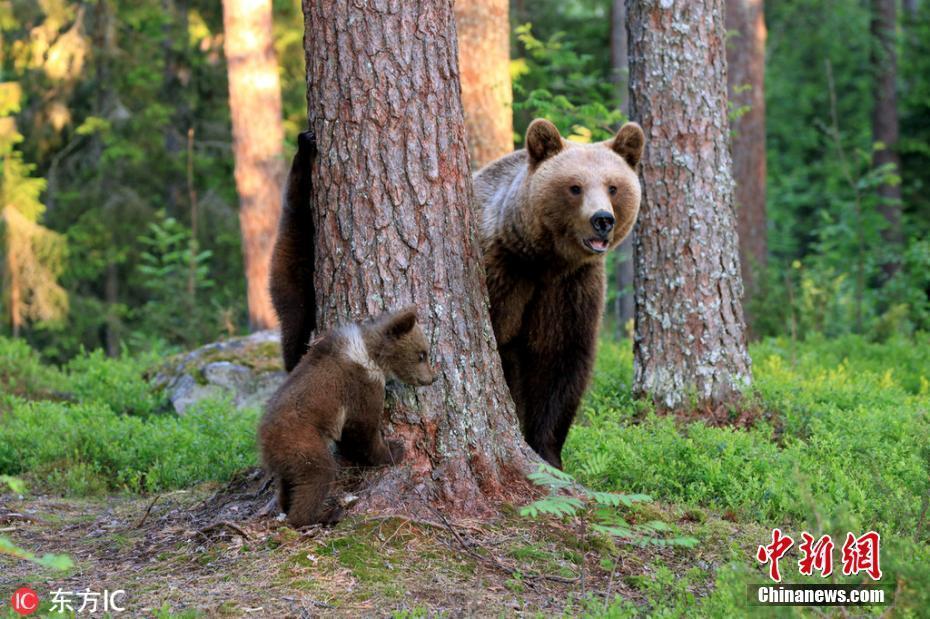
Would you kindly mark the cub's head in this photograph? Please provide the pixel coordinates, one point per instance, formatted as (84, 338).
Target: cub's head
(399, 346)
(585, 197)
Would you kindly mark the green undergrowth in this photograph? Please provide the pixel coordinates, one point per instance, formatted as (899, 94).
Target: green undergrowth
(842, 443)
(96, 425)
(845, 428)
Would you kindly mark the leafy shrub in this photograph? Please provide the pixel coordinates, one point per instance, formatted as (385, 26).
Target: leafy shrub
(22, 373)
(552, 79)
(848, 433)
(115, 383)
(211, 442)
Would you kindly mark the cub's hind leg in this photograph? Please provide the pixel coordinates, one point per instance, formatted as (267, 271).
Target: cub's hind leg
(306, 482)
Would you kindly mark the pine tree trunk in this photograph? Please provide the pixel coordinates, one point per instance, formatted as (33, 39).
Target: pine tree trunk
(690, 344)
(392, 194)
(624, 306)
(885, 123)
(258, 140)
(483, 28)
(746, 75)
(11, 283)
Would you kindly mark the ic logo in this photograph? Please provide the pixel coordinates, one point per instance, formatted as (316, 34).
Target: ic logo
(25, 601)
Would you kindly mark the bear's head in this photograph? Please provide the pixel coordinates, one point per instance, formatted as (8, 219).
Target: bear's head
(398, 345)
(584, 197)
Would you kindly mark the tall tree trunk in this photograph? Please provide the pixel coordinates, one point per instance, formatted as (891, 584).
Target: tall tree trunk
(746, 76)
(885, 123)
(258, 140)
(175, 36)
(392, 192)
(690, 338)
(111, 294)
(624, 306)
(105, 45)
(483, 28)
(12, 284)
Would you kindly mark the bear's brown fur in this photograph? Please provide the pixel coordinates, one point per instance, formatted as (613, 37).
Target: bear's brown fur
(292, 293)
(335, 397)
(549, 214)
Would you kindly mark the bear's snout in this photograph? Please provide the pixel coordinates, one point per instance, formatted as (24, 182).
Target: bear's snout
(603, 222)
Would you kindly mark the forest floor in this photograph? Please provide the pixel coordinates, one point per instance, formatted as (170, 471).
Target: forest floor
(200, 552)
(165, 506)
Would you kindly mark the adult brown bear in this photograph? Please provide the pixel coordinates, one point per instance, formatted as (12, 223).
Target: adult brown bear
(549, 215)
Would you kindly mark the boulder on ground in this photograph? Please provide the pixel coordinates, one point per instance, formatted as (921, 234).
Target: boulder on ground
(245, 369)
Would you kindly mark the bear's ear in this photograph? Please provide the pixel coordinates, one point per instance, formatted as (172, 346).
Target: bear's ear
(401, 322)
(629, 142)
(542, 140)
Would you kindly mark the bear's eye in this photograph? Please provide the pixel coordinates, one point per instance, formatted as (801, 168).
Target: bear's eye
(612, 190)
(575, 189)
(422, 357)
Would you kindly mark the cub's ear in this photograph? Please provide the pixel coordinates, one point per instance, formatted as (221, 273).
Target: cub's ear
(306, 143)
(542, 140)
(629, 142)
(401, 322)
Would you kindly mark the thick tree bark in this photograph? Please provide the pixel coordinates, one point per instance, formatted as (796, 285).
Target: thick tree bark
(690, 340)
(885, 121)
(392, 194)
(258, 141)
(746, 76)
(483, 28)
(624, 306)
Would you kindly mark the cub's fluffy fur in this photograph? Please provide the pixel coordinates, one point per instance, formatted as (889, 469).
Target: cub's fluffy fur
(335, 397)
(549, 214)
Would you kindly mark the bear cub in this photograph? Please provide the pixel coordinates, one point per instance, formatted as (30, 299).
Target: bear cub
(335, 397)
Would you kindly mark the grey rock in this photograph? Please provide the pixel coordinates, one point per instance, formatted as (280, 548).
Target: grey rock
(247, 370)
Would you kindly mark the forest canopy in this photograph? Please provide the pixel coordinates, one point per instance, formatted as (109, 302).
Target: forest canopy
(117, 117)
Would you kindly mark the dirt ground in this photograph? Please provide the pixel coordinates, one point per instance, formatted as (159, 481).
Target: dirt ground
(204, 552)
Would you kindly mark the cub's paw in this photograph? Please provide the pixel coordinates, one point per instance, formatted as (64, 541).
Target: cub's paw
(397, 451)
(332, 515)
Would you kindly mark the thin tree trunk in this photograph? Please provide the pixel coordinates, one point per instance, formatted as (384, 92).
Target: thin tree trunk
(111, 295)
(690, 344)
(746, 77)
(619, 54)
(483, 28)
(885, 123)
(258, 140)
(175, 28)
(13, 285)
(105, 44)
(624, 306)
(392, 192)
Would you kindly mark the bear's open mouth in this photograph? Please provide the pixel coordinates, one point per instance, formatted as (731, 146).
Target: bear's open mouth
(597, 245)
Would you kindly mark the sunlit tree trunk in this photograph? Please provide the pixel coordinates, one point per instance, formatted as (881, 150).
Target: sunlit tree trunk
(391, 192)
(483, 28)
(746, 75)
(624, 305)
(690, 344)
(13, 287)
(258, 140)
(885, 122)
